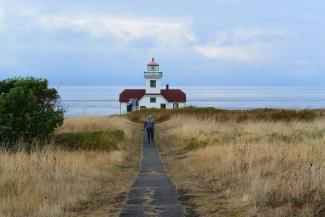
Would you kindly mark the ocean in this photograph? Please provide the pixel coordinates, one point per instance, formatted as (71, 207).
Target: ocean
(103, 100)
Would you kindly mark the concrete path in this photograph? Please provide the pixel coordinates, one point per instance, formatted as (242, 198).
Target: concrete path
(152, 193)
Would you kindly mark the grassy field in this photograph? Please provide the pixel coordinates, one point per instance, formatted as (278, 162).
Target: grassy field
(264, 163)
(85, 171)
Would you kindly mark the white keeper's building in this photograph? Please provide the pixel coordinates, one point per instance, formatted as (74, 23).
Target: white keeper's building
(152, 96)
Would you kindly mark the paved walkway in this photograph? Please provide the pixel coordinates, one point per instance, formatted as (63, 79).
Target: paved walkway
(152, 193)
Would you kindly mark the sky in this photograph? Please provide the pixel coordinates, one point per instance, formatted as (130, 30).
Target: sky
(205, 42)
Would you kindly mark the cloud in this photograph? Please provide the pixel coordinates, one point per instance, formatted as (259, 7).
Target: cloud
(240, 46)
(245, 53)
(151, 34)
(124, 29)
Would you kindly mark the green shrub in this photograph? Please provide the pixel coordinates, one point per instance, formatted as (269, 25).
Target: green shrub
(29, 110)
(97, 140)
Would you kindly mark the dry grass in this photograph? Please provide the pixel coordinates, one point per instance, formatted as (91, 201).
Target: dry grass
(248, 168)
(221, 115)
(93, 140)
(52, 182)
(93, 123)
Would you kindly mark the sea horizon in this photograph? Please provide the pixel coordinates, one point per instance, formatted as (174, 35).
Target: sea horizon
(103, 99)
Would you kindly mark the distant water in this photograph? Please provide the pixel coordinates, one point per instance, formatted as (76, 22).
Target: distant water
(103, 100)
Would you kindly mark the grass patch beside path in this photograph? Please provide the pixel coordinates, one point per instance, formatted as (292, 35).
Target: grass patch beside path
(74, 181)
(96, 140)
(268, 164)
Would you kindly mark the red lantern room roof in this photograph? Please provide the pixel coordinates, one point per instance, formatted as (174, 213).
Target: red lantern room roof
(153, 62)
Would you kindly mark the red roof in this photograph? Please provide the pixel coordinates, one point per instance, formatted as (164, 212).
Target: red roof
(128, 94)
(171, 95)
(153, 63)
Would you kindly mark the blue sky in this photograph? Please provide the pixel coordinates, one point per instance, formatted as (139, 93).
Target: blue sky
(206, 42)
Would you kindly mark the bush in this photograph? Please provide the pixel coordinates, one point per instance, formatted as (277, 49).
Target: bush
(97, 140)
(29, 110)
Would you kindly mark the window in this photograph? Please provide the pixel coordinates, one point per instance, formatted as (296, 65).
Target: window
(142, 107)
(129, 108)
(153, 68)
(153, 83)
(163, 106)
(153, 99)
(175, 105)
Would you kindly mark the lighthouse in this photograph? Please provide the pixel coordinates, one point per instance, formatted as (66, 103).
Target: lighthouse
(152, 96)
(152, 77)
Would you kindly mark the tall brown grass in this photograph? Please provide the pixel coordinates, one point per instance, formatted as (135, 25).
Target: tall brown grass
(94, 140)
(255, 167)
(48, 182)
(52, 182)
(93, 123)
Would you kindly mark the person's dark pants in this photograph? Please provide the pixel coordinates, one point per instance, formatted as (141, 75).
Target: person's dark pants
(150, 134)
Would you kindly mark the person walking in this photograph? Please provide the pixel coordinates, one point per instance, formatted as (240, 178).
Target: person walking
(149, 126)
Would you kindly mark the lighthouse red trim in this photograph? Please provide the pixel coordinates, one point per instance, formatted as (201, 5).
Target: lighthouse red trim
(153, 63)
(128, 94)
(171, 95)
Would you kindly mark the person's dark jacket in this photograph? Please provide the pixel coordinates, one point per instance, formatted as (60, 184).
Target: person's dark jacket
(149, 124)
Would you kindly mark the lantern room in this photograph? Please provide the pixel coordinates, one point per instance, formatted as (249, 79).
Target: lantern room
(153, 65)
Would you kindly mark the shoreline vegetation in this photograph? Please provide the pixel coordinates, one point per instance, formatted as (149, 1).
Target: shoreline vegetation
(261, 163)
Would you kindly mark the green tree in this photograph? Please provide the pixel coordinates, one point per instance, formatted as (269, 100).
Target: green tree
(29, 110)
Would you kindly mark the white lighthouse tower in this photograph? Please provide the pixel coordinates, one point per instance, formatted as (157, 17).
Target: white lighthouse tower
(152, 77)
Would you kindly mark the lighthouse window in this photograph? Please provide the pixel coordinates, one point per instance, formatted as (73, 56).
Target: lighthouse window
(152, 99)
(152, 83)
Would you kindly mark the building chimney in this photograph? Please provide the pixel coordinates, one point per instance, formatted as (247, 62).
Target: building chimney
(167, 86)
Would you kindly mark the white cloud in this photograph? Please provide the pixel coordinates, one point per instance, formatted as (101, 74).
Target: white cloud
(240, 46)
(238, 53)
(124, 29)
